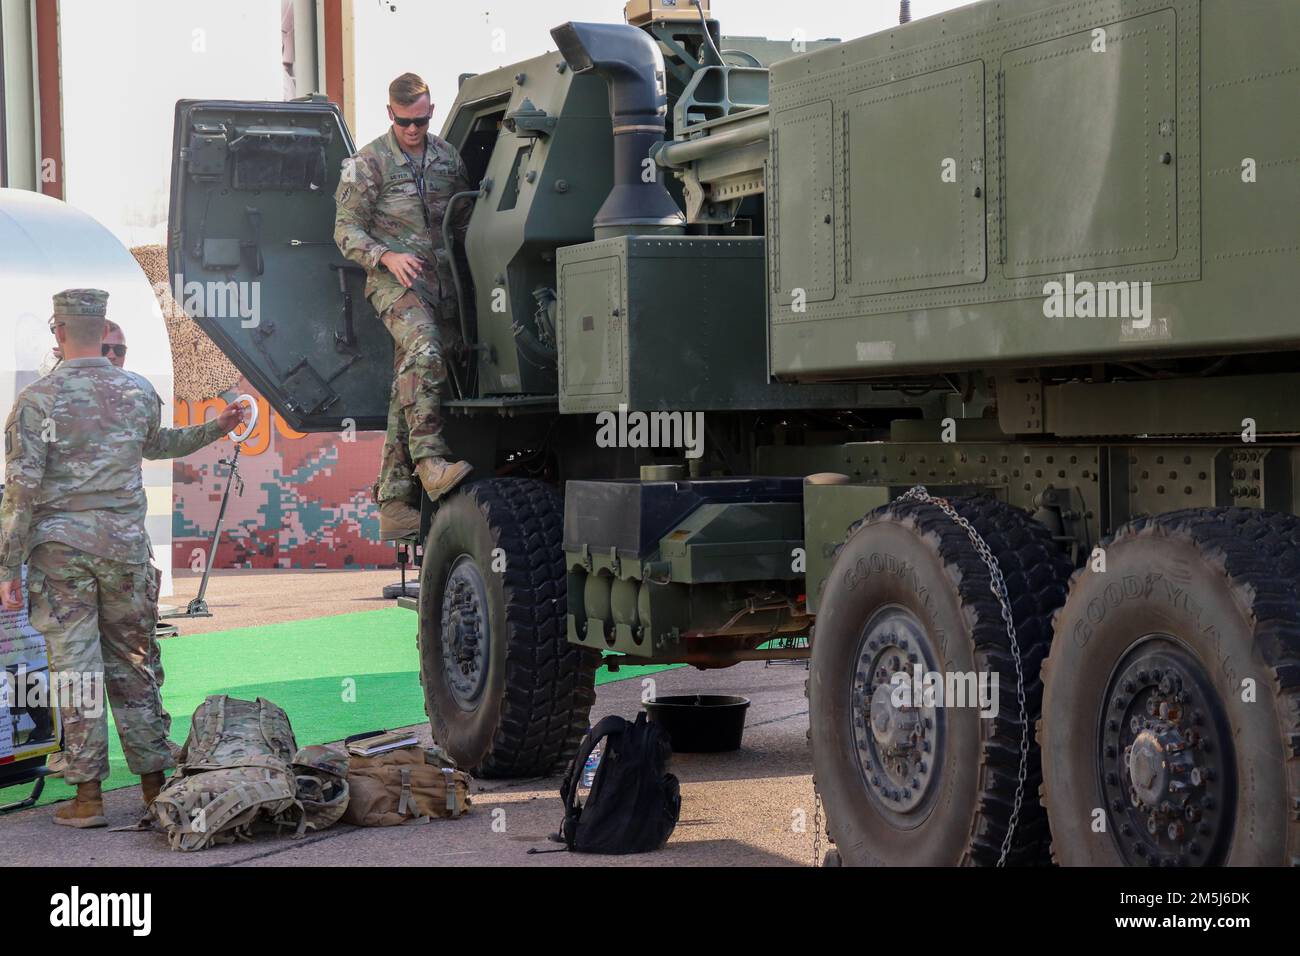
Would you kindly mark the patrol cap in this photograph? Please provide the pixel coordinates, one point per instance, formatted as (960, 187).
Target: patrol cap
(91, 302)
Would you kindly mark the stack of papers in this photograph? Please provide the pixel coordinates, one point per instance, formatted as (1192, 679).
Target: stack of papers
(382, 742)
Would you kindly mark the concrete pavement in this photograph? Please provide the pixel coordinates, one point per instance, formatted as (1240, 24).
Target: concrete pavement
(241, 597)
(752, 807)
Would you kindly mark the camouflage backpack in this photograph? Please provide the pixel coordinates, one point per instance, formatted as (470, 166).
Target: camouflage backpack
(222, 805)
(225, 730)
(234, 774)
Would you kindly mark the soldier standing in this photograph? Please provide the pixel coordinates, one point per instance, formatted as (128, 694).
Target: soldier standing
(113, 348)
(74, 508)
(391, 202)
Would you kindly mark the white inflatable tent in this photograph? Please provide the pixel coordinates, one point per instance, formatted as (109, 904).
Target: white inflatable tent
(47, 245)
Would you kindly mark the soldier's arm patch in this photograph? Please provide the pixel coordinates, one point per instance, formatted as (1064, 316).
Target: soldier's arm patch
(13, 441)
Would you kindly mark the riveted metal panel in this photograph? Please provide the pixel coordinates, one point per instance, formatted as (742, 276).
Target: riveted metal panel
(1000, 319)
(914, 213)
(670, 323)
(1252, 160)
(803, 237)
(1087, 182)
(591, 331)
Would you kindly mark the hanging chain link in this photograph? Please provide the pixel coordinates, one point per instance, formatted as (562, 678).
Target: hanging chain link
(817, 825)
(999, 588)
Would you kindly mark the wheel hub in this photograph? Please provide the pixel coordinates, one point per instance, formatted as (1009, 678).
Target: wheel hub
(898, 738)
(893, 726)
(1165, 761)
(466, 636)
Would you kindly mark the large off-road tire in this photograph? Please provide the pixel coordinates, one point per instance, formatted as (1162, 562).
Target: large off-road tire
(506, 694)
(1193, 609)
(908, 581)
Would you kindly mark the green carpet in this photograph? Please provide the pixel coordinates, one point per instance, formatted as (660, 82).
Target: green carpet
(334, 676)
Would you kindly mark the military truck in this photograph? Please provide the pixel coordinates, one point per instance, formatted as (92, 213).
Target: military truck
(963, 352)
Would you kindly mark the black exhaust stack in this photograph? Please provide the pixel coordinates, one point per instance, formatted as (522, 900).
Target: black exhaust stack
(630, 62)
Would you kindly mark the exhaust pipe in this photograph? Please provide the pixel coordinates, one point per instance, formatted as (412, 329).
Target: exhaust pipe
(631, 64)
(905, 11)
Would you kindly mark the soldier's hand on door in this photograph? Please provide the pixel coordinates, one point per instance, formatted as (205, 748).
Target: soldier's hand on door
(405, 267)
(11, 594)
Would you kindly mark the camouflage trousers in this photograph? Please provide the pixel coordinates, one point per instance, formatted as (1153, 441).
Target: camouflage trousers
(98, 618)
(156, 665)
(415, 404)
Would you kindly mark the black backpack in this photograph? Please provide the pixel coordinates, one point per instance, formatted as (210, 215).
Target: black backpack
(634, 802)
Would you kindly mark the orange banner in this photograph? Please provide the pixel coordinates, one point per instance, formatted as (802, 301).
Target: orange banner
(192, 413)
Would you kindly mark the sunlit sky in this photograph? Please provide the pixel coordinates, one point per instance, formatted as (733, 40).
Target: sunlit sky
(441, 40)
(118, 121)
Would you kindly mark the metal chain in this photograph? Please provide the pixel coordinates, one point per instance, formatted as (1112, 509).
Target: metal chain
(817, 825)
(998, 585)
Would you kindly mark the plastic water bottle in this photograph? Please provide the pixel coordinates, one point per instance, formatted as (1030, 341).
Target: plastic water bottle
(589, 768)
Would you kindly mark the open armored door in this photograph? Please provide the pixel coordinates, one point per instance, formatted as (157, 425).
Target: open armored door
(252, 257)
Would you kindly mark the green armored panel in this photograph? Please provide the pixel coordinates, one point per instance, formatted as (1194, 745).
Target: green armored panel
(752, 541)
(662, 323)
(650, 563)
(803, 248)
(829, 512)
(536, 139)
(592, 327)
(908, 234)
(1138, 158)
(1060, 146)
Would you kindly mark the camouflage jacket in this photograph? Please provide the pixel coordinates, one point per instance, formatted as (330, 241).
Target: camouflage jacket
(378, 210)
(73, 445)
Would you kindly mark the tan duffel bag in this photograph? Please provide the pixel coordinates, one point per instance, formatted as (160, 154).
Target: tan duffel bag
(401, 786)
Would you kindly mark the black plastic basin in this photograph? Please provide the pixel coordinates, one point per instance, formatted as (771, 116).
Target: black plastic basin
(700, 723)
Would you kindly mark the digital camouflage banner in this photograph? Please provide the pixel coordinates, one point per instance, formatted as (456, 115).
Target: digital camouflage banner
(306, 500)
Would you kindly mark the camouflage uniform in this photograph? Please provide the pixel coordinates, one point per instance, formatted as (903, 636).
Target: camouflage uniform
(167, 438)
(74, 507)
(379, 209)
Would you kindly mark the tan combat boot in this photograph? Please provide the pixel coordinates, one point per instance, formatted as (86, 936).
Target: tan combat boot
(440, 476)
(151, 784)
(398, 521)
(87, 810)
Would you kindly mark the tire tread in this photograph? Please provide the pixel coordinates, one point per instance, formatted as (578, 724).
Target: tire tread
(549, 683)
(1259, 553)
(1036, 572)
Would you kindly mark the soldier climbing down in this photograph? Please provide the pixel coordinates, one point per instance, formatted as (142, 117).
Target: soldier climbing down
(391, 201)
(74, 509)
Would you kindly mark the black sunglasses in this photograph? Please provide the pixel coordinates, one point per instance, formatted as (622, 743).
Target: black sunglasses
(118, 350)
(404, 122)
